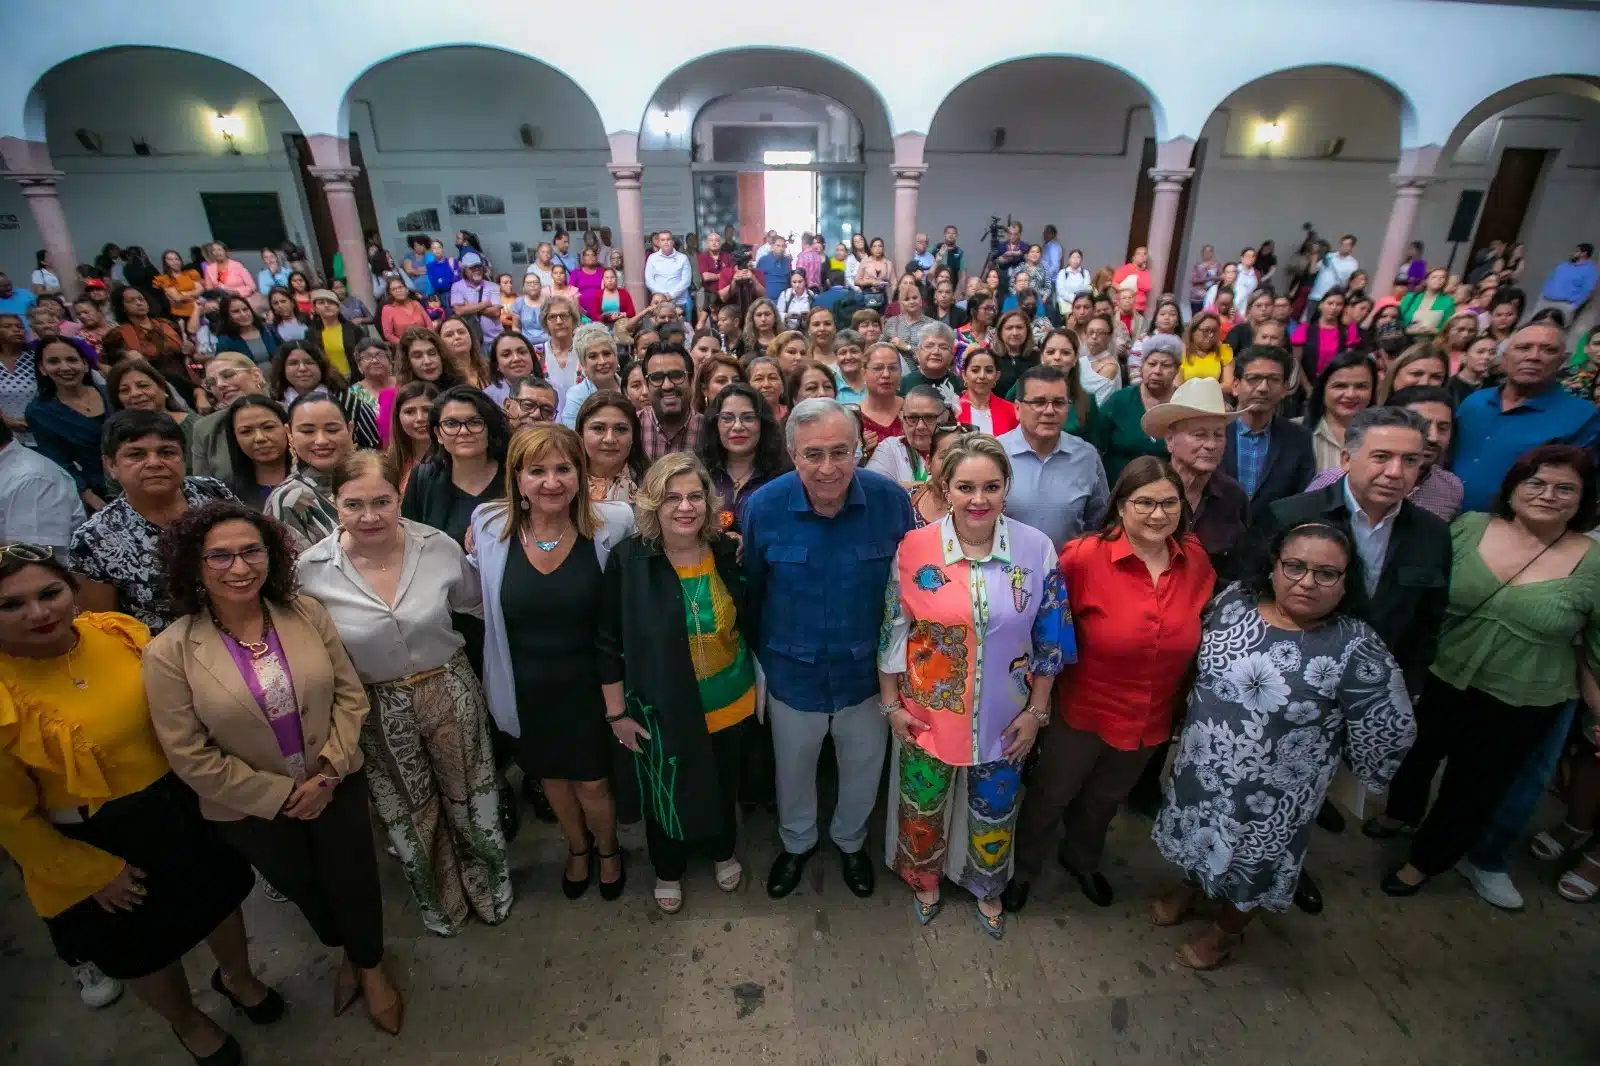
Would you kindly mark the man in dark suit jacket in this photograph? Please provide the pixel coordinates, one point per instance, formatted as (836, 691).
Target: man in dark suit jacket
(1277, 451)
(1402, 565)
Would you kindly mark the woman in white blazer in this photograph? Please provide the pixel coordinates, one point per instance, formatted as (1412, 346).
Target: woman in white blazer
(541, 552)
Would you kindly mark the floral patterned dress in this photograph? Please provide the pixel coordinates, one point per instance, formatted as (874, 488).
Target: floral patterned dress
(1271, 712)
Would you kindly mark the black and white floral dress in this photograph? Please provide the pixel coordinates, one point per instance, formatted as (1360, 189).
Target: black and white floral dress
(1271, 712)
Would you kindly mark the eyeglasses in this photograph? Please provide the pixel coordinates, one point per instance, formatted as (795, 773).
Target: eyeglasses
(1144, 505)
(1295, 571)
(837, 456)
(1045, 405)
(921, 420)
(1255, 381)
(27, 553)
(558, 316)
(546, 409)
(727, 418)
(221, 559)
(454, 427)
(1563, 490)
(678, 499)
(661, 377)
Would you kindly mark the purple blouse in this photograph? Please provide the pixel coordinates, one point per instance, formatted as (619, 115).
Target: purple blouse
(269, 682)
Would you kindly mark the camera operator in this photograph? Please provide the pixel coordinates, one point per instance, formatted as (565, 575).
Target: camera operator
(739, 284)
(710, 264)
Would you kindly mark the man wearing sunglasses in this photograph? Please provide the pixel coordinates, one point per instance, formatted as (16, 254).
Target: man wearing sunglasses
(668, 424)
(115, 550)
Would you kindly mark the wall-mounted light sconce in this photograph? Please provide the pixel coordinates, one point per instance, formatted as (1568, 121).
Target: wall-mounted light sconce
(1269, 132)
(228, 127)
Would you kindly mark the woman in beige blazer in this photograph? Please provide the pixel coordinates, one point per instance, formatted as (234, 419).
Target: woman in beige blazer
(259, 710)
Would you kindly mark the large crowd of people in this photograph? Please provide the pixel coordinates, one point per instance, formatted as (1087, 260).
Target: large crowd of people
(281, 563)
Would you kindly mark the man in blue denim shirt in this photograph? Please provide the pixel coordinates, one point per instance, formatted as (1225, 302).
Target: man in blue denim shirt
(818, 545)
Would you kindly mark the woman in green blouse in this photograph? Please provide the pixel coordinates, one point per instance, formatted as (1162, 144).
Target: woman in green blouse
(1116, 431)
(1523, 619)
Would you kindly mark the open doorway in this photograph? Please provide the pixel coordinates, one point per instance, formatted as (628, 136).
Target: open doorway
(789, 197)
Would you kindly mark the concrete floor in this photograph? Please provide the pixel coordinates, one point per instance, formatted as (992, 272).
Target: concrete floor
(825, 978)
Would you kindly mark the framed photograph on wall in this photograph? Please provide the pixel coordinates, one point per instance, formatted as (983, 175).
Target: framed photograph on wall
(489, 205)
(463, 205)
(424, 220)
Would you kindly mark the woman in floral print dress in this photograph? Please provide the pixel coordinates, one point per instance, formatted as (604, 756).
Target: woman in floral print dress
(1286, 684)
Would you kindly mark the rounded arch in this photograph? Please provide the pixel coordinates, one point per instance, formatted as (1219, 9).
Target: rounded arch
(507, 62)
(1582, 86)
(1032, 63)
(693, 84)
(1357, 73)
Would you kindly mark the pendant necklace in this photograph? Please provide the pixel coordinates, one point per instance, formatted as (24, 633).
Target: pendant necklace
(79, 683)
(546, 546)
(256, 648)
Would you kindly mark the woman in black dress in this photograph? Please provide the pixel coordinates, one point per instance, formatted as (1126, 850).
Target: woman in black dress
(541, 555)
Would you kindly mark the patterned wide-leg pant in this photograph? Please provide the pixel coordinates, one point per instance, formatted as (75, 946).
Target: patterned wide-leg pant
(432, 776)
(925, 817)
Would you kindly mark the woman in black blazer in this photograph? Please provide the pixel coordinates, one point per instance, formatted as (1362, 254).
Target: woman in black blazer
(678, 675)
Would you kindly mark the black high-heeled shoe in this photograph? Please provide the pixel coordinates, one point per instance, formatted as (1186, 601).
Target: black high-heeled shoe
(269, 1010)
(574, 889)
(229, 1054)
(611, 890)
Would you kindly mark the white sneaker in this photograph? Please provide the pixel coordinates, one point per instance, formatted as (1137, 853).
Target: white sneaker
(1493, 886)
(95, 988)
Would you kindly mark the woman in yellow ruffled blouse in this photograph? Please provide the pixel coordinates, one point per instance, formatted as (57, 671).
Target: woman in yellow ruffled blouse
(114, 854)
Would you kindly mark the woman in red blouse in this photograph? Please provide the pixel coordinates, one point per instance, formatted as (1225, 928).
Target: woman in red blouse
(1136, 590)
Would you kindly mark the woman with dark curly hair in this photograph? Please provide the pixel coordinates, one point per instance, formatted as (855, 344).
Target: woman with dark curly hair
(741, 446)
(291, 798)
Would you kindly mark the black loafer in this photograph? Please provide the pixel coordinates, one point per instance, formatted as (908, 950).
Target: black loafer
(1307, 896)
(1015, 896)
(269, 1010)
(229, 1054)
(1393, 886)
(784, 876)
(1329, 818)
(1096, 888)
(857, 869)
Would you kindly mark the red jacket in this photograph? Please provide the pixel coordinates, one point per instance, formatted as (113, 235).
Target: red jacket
(590, 302)
(1003, 413)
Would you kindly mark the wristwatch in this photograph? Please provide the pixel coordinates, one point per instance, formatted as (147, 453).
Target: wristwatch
(1039, 715)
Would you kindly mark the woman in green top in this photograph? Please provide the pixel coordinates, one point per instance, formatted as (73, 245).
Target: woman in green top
(1061, 351)
(1117, 431)
(1523, 620)
(1425, 311)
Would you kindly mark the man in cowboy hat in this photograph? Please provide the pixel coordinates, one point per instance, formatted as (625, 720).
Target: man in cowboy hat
(1194, 423)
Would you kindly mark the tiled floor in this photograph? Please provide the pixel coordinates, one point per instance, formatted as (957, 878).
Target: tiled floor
(825, 979)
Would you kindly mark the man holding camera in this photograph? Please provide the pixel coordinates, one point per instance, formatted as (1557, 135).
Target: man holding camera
(739, 283)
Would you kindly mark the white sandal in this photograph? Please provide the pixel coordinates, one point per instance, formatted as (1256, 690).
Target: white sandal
(730, 875)
(1577, 888)
(669, 896)
(1548, 849)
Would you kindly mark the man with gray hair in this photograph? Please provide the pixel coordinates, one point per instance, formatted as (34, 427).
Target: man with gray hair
(819, 543)
(1403, 553)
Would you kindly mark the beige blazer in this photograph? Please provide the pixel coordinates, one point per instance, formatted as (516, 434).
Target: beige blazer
(216, 736)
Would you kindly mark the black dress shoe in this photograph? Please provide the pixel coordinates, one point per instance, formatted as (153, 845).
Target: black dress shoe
(1015, 896)
(784, 877)
(611, 890)
(857, 869)
(1393, 886)
(1329, 818)
(574, 888)
(229, 1054)
(1307, 896)
(269, 1010)
(1096, 888)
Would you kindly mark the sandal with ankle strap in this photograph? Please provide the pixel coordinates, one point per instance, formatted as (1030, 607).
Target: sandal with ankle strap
(669, 896)
(1576, 887)
(1188, 956)
(612, 890)
(572, 888)
(730, 875)
(1546, 847)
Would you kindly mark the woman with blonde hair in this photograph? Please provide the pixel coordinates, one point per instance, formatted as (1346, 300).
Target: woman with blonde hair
(760, 327)
(1205, 353)
(680, 679)
(788, 350)
(541, 553)
(1420, 364)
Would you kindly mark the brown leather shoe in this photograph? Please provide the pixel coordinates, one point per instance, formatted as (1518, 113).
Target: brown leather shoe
(346, 987)
(392, 1013)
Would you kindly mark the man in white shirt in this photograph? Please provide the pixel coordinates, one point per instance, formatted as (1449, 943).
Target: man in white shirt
(668, 271)
(1335, 270)
(920, 254)
(39, 502)
(1248, 280)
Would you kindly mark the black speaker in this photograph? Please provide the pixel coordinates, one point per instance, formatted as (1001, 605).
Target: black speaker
(1466, 214)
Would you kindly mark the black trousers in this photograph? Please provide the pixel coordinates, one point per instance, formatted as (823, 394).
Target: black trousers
(325, 866)
(670, 857)
(1484, 744)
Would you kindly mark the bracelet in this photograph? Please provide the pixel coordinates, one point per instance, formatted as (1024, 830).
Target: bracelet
(616, 718)
(886, 709)
(1039, 715)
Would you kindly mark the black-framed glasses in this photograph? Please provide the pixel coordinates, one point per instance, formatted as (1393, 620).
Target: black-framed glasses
(222, 559)
(1144, 505)
(456, 426)
(548, 410)
(1046, 404)
(661, 377)
(27, 553)
(1295, 571)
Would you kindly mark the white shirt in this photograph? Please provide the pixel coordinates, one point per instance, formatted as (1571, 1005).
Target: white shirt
(1335, 270)
(39, 502)
(1099, 387)
(1372, 541)
(46, 280)
(562, 377)
(669, 273)
(892, 459)
(793, 303)
(1068, 284)
(388, 643)
(1246, 284)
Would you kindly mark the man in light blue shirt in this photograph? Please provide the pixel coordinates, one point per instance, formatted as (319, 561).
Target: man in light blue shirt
(920, 254)
(15, 301)
(1335, 270)
(1058, 484)
(1571, 283)
(561, 246)
(1052, 253)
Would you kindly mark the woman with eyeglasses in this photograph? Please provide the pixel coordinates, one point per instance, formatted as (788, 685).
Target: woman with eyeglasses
(880, 408)
(463, 468)
(319, 440)
(741, 445)
(1520, 640)
(390, 587)
(248, 649)
(115, 856)
(1291, 682)
(906, 458)
(563, 366)
(375, 367)
(613, 446)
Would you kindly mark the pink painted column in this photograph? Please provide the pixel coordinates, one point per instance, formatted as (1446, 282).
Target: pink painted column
(627, 179)
(28, 164)
(347, 226)
(1410, 182)
(1163, 218)
(908, 169)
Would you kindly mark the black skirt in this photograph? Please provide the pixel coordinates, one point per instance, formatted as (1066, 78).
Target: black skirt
(192, 882)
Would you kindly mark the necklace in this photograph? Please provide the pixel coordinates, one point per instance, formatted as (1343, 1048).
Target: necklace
(544, 545)
(79, 683)
(256, 648)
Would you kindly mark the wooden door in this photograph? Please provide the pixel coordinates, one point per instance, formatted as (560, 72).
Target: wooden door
(1506, 205)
